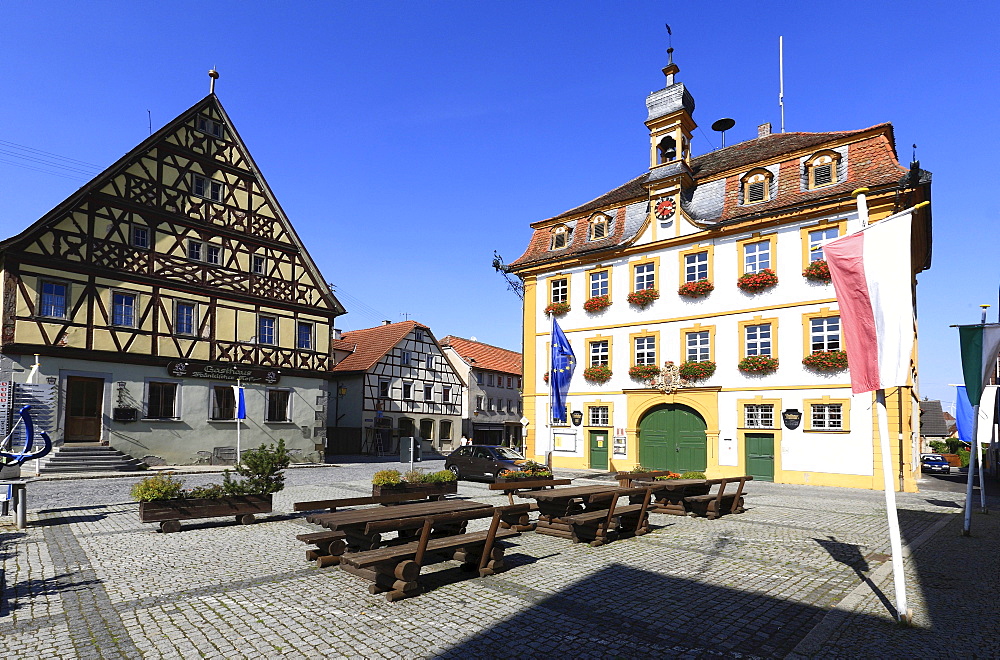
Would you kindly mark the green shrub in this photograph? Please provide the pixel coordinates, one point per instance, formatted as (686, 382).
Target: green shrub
(387, 478)
(939, 446)
(415, 476)
(693, 475)
(964, 454)
(953, 445)
(157, 487)
(261, 470)
(212, 491)
(441, 477)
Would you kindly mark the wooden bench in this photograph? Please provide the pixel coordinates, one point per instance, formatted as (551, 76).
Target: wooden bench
(329, 547)
(522, 522)
(333, 505)
(714, 505)
(600, 526)
(395, 570)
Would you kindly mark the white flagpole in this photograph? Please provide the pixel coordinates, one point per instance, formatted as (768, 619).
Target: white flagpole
(552, 380)
(902, 612)
(238, 420)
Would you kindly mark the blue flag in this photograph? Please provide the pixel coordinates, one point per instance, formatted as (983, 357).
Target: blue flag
(241, 404)
(964, 416)
(561, 371)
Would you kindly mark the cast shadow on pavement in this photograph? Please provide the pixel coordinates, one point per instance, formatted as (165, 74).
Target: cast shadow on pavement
(850, 555)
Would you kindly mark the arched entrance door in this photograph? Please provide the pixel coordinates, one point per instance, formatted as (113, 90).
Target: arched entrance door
(672, 437)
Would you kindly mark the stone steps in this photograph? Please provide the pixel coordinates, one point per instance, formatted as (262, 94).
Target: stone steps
(89, 458)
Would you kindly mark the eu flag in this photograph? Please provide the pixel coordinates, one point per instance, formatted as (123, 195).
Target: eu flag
(561, 371)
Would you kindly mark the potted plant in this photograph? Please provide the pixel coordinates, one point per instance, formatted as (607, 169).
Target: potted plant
(414, 481)
(756, 282)
(597, 374)
(163, 499)
(758, 364)
(696, 370)
(527, 470)
(643, 371)
(643, 297)
(696, 289)
(545, 376)
(557, 309)
(597, 303)
(826, 360)
(817, 271)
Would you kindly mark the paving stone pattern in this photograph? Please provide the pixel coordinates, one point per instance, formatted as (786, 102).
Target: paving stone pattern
(87, 580)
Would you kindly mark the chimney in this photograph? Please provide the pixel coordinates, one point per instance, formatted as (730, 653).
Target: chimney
(387, 322)
(764, 130)
(337, 334)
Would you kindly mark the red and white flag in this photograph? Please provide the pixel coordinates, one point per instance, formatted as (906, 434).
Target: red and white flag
(872, 277)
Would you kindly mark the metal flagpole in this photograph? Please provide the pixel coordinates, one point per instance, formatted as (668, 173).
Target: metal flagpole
(236, 411)
(967, 523)
(552, 380)
(903, 613)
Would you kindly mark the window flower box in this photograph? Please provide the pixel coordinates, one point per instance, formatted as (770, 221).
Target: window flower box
(597, 303)
(696, 289)
(643, 297)
(817, 271)
(756, 282)
(697, 370)
(557, 309)
(545, 376)
(598, 374)
(758, 364)
(449, 488)
(644, 371)
(826, 361)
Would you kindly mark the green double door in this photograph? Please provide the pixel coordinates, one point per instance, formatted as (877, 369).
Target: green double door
(672, 437)
(760, 455)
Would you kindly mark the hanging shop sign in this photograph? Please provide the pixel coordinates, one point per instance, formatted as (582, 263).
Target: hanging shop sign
(792, 417)
(224, 371)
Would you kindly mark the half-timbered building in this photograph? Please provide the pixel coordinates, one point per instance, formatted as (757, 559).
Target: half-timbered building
(394, 382)
(157, 286)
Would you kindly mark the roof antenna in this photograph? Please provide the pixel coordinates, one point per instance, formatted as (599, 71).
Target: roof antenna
(214, 75)
(149, 116)
(781, 80)
(722, 126)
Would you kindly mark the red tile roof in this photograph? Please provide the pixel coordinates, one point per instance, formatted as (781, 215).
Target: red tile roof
(484, 356)
(373, 344)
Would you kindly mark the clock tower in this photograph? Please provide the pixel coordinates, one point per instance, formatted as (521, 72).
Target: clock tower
(670, 125)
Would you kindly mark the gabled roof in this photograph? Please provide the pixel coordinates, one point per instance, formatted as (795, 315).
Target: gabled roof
(154, 141)
(932, 421)
(372, 344)
(485, 356)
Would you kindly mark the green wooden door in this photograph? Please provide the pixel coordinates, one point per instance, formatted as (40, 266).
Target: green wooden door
(672, 437)
(760, 455)
(599, 450)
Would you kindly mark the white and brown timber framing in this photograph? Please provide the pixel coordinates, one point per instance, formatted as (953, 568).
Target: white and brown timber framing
(86, 243)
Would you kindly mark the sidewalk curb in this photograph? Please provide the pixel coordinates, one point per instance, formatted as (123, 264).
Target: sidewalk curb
(812, 644)
(173, 469)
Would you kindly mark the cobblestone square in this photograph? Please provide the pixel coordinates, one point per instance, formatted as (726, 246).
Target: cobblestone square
(802, 573)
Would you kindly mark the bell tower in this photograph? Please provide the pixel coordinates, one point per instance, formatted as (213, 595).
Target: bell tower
(670, 125)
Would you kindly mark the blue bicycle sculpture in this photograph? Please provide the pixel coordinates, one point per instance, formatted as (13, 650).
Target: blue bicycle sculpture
(25, 454)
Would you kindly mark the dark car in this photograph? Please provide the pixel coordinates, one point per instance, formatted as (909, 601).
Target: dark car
(934, 463)
(486, 461)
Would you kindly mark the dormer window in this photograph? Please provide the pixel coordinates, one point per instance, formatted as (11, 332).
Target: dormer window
(666, 150)
(599, 228)
(757, 187)
(822, 169)
(560, 237)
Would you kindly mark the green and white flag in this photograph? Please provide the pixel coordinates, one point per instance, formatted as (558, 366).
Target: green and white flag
(980, 346)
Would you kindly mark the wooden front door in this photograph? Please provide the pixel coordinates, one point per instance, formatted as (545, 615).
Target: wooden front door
(760, 455)
(672, 437)
(599, 450)
(84, 397)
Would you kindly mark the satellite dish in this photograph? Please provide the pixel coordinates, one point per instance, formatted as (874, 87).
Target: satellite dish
(722, 126)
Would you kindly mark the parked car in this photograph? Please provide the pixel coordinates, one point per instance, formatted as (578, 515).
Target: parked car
(486, 461)
(934, 463)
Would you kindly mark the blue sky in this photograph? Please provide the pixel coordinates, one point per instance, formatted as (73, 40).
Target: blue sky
(408, 140)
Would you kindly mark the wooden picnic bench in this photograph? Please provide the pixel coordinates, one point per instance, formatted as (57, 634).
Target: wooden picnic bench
(589, 513)
(388, 500)
(395, 570)
(522, 522)
(716, 504)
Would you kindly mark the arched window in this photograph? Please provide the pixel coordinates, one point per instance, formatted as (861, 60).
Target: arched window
(822, 169)
(599, 228)
(666, 150)
(560, 237)
(757, 186)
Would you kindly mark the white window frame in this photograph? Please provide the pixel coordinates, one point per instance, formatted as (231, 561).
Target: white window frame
(600, 416)
(559, 290)
(826, 416)
(645, 276)
(755, 336)
(698, 346)
(310, 344)
(599, 353)
(599, 283)
(645, 350)
(261, 318)
(820, 334)
(817, 238)
(258, 264)
(756, 256)
(42, 282)
(213, 404)
(696, 266)
(195, 250)
(758, 415)
(125, 296)
(177, 317)
(206, 188)
(213, 254)
(384, 389)
(134, 234)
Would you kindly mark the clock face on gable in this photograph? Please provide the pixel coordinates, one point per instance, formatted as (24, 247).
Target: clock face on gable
(665, 208)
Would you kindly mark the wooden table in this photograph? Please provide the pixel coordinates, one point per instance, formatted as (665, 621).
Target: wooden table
(354, 523)
(669, 494)
(572, 513)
